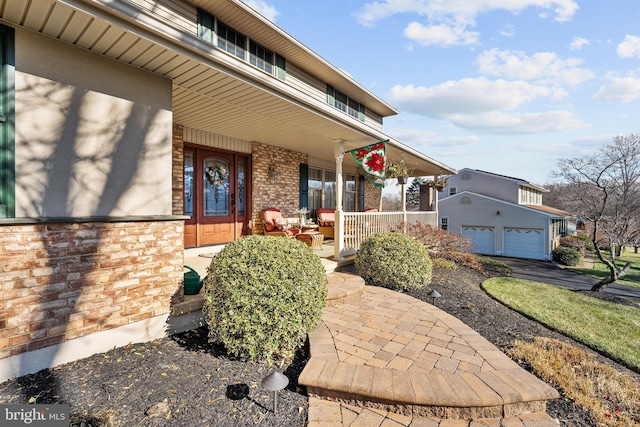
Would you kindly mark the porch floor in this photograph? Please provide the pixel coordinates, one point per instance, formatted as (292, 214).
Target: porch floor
(200, 258)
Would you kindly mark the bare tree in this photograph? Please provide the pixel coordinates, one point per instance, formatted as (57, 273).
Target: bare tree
(556, 197)
(603, 189)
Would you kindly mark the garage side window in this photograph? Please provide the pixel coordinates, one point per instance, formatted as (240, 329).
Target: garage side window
(444, 223)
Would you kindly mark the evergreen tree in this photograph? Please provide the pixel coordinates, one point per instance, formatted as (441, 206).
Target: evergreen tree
(413, 193)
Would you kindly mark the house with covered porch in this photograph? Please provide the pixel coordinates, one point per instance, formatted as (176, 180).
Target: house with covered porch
(133, 129)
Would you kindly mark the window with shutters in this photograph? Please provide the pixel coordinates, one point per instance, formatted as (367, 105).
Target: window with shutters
(226, 38)
(345, 104)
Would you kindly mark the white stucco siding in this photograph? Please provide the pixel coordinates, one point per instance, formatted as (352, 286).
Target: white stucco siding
(93, 136)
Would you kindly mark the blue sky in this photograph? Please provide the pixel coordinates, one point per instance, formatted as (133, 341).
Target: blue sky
(506, 86)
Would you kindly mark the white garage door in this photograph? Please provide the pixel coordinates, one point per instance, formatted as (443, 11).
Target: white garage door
(483, 239)
(524, 243)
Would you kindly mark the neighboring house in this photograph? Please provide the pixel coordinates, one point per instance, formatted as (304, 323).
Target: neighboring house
(131, 129)
(501, 215)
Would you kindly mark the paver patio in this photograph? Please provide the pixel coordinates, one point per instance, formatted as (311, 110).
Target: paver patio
(381, 357)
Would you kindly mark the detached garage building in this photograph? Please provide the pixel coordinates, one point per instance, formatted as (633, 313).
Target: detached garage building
(501, 215)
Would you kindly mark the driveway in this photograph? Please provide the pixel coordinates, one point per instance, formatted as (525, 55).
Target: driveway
(548, 272)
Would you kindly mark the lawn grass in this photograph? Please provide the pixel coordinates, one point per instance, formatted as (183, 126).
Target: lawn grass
(611, 397)
(604, 326)
(600, 270)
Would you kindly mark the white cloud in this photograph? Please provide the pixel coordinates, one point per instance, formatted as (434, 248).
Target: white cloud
(263, 9)
(542, 67)
(429, 138)
(507, 30)
(448, 21)
(468, 96)
(520, 123)
(578, 43)
(442, 35)
(621, 89)
(485, 106)
(460, 10)
(629, 48)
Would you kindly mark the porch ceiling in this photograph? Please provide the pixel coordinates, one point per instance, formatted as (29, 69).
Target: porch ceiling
(211, 91)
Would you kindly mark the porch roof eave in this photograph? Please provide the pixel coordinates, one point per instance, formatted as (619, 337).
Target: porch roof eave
(247, 106)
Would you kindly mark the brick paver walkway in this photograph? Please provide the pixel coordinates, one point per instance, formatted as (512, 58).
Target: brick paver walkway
(387, 359)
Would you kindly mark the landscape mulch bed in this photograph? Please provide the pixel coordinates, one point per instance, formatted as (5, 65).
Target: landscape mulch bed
(186, 381)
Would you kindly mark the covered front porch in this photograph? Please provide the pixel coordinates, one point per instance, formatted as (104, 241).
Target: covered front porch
(186, 309)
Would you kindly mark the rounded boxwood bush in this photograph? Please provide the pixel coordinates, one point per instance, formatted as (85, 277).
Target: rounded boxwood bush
(263, 295)
(395, 261)
(566, 256)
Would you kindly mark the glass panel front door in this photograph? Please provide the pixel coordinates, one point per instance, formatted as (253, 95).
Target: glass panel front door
(215, 196)
(216, 192)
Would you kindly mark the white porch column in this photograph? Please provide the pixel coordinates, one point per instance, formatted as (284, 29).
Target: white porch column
(403, 200)
(435, 202)
(338, 232)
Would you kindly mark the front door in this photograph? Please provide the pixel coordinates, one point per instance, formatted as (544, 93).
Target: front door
(214, 196)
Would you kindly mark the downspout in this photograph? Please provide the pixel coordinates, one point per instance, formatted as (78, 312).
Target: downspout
(338, 237)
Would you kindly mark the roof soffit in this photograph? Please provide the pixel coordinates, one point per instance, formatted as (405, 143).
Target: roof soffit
(208, 95)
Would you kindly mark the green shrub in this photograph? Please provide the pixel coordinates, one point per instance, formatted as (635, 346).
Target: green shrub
(263, 295)
(444, 264)
(395, 261)
(574, 242)
(566, 256)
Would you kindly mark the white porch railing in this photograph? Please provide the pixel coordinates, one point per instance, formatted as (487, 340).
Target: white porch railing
(360, 225)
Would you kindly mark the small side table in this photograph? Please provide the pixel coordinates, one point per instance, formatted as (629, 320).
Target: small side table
(309, 227)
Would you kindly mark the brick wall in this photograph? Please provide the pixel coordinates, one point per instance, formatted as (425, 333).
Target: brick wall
(61, 281)
(177, 175)
(285, 194)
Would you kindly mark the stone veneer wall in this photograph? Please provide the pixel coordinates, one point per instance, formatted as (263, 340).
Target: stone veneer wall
(177, 173)
(60, 281)
(285, 194)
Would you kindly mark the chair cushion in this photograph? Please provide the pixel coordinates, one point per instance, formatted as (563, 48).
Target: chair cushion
(292, 231)
(269, 217)
(326, 217)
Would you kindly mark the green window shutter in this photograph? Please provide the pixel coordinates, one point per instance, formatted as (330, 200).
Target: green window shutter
(304, 185)
(205, 26)
(331, 95)
(7, 131)
(281, 66)
(361, 108)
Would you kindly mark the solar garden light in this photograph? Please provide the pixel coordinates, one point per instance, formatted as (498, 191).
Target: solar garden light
(273, 382)
(434, 294)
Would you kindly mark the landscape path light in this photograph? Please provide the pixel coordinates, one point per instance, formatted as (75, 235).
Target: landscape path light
(273, 382)
(433, 295)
